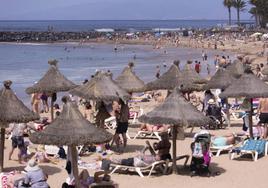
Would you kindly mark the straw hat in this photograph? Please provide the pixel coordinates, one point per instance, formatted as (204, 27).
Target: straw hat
(32, 166)
(211, 101)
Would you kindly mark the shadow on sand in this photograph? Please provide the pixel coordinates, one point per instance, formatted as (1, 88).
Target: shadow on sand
(49, 170)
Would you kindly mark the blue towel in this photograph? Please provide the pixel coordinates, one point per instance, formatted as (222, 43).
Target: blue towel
(254, 145)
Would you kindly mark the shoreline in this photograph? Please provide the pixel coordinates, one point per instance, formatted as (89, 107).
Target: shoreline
(249, 49)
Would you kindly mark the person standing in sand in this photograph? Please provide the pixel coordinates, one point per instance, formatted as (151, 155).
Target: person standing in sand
(122, 123)
(263, 114)
(35, 102)
(44, 98)
(17, 131)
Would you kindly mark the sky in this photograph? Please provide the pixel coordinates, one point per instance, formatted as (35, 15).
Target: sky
(114, 10)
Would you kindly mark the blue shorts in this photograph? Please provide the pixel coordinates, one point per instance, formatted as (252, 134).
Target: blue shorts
(219, 141)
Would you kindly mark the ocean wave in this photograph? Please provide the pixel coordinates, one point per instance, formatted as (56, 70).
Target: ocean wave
(105, 30)
(167, 29)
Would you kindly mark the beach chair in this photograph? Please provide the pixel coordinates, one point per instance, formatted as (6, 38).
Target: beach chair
(219, 149)
(140, 170)
(164, 166)
(134, 115)
(251, 146)
(147, 134)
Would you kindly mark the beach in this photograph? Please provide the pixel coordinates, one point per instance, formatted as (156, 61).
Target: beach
(233, 173)
(80, 61)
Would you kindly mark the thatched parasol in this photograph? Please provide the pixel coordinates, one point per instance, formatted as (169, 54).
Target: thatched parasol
(52, 82)
(176, 111)
(101, 87)
(249, 86)
(190, 80)
(191, 76)
(220, 80)
(12, 110)
(71, 129)
(236, 69)
(129, 81)
(169, 80)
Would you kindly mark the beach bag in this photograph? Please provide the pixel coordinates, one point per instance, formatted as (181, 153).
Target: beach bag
(197, 150)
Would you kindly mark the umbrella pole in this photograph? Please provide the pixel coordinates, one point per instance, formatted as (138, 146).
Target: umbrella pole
(52, 109)
(174, 146)
(250, 119)
(2, 146)
(74, 166)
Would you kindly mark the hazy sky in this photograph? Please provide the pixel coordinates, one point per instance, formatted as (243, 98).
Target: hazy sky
(113, 9)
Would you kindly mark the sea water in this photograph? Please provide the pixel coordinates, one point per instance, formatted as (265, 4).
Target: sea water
(89, 25)
(26, 63)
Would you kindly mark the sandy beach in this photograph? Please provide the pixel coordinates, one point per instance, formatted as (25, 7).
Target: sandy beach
(225, 172)
(233, 173)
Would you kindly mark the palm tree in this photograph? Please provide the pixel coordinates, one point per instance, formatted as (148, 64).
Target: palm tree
(240, 7)
(261, 11)
(228, 4)
(254, 12)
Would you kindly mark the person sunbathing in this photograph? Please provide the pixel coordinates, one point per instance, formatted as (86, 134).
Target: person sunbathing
(86, 180)
(142, 159)
(154, 128)
(40, 155)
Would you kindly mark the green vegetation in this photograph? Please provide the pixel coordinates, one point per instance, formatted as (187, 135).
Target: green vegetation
(259, 10)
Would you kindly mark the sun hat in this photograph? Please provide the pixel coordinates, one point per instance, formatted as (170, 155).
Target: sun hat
(31, 166)
(211, 101)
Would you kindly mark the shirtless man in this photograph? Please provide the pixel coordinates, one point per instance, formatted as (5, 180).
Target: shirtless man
(263, 114)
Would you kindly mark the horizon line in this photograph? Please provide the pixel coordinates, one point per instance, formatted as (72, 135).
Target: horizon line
(205, 19)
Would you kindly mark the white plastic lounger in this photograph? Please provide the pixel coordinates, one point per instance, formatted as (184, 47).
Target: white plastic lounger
(151, 167)
(219, 149)
(147, 134)
(139, 170)
(144, 134)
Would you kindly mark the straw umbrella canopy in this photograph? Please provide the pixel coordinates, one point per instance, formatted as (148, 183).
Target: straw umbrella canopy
(99, 88)
(169, 80)
(175, 110)
(191, 80)
(249, 86)
(12, 110)
(220, 80)
(129, 81)
(236, 68)
(52, 82)
(71, 129)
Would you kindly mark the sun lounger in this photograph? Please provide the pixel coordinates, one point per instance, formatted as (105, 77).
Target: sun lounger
(219, 149)
(253, 147)
(139, 170)
(147, 134)
(163, 164)
(135, 114)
